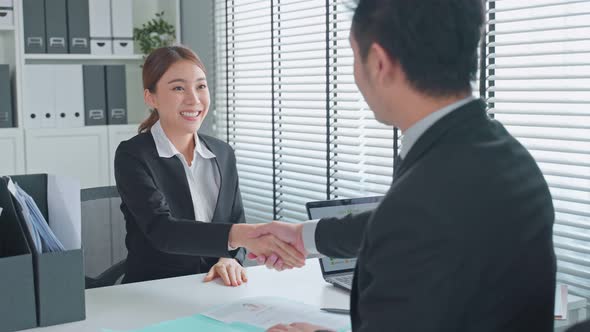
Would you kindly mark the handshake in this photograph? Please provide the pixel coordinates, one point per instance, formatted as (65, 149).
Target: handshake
(279, 245)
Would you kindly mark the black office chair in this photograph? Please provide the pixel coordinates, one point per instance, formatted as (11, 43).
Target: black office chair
(103, 236)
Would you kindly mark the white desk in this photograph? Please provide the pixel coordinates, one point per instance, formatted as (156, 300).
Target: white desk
(137, 305)
(141, 304)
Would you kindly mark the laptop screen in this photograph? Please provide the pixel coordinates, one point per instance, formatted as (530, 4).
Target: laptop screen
(340, 208)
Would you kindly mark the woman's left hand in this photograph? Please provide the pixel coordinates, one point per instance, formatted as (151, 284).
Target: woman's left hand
(230, 271)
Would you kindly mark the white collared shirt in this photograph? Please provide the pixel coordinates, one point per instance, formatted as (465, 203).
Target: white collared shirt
(203, 175)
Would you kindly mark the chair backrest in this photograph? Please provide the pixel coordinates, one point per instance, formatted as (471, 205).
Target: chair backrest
(103, 230)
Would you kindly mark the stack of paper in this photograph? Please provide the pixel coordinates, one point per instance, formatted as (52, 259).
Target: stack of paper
(44, 240)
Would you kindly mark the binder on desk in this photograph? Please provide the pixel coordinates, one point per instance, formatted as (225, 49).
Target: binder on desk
(17, 303)
(94, 95)
(116, 94)
(39, 96)
(78, 27)
(6, 109)
(69, 96)
(100, 27)
(56, 26)
(58, 276)
(122, 23)
(34, 26)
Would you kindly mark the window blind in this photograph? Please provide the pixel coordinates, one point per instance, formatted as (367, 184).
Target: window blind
(244, 116)
(299, 102)
(361, 149)
(287, 103)
(538, 84)
(270, 98)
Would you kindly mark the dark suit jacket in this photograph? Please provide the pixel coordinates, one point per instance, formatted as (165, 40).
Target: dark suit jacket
(163, 238)
(461, 242)
(580, 327)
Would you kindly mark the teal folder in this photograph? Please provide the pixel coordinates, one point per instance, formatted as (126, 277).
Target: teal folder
(197, 323)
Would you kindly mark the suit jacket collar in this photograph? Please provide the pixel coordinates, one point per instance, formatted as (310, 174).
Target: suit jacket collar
(412, 134)
(473, 109)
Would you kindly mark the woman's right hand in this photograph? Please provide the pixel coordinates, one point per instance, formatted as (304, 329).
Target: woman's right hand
(268, 245)
(265, 245)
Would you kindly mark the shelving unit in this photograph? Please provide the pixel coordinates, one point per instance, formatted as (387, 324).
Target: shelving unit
(84, 57)
(86, 153)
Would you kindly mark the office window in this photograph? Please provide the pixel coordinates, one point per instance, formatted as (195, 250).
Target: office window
(299, 101)
(243, 97)
(538, 84)
(271, 101)
(361, 149)
(287, 103)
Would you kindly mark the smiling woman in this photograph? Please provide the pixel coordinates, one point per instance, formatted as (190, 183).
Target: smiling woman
(179, 189)
(171, 179)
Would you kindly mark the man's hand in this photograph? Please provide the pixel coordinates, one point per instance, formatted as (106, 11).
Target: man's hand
(265, 244)
(230, 271)
(298, 327)
(290, 233)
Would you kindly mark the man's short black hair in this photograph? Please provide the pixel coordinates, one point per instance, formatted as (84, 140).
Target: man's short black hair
(435, 41)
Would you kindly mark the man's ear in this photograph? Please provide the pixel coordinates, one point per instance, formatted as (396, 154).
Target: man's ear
(149, 99)
(382, 68)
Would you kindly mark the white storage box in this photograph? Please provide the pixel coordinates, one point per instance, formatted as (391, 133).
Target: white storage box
(6, 17)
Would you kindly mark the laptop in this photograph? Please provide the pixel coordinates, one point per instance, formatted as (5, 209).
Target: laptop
(339, 271)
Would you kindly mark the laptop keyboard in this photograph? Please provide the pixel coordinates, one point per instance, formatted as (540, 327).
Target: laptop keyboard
(344, 279)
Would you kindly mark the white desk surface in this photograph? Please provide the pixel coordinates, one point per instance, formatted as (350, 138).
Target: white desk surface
(142, 304)
(137, 305)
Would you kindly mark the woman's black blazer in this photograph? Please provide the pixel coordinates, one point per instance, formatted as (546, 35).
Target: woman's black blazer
(163, 239)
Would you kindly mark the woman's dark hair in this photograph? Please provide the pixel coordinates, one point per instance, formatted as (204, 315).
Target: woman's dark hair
(154, 67)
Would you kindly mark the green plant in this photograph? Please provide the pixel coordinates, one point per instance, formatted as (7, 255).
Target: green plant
(154, 34)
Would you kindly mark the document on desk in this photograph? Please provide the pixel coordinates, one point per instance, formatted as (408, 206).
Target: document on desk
(255, 314)
(264, 312)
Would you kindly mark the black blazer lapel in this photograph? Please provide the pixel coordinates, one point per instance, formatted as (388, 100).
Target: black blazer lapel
(175, 174)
